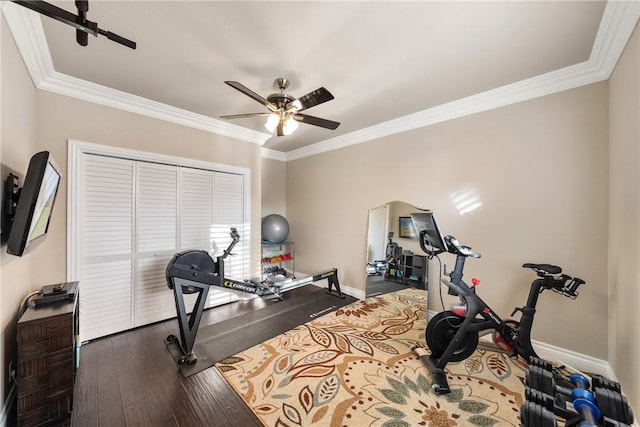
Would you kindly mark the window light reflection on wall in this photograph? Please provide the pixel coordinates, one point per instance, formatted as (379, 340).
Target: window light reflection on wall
(466, 202)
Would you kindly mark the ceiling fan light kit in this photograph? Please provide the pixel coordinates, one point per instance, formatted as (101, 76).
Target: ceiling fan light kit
(284, 109)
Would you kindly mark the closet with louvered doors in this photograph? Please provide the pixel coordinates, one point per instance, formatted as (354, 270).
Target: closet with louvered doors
(133, 216)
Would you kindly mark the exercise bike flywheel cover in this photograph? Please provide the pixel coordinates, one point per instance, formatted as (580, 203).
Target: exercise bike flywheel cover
(192, 259)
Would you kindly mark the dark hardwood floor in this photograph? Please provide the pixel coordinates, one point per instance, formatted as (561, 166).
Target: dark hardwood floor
(378, 285)
(131, 379)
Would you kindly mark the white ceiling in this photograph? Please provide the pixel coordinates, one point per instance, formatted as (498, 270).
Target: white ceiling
(381, 60)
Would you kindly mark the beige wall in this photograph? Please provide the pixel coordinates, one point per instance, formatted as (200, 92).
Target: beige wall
(35, 120)
(61, 118)
(274, 190)
(624, 225)
(18, 144)
(540, 169)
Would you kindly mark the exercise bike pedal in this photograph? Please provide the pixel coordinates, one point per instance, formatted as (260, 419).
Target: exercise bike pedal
(440, 384)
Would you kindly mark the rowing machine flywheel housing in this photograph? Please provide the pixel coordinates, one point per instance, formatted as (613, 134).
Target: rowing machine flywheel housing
(194, 259)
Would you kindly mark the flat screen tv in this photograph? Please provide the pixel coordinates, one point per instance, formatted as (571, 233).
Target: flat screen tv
(33, 210)
(405, 228)
(431, 240)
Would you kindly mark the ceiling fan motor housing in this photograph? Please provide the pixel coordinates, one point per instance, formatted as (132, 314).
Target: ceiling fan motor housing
(285, 109)
(280, 99)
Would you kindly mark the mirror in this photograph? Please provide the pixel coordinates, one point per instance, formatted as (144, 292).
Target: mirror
(394, 260)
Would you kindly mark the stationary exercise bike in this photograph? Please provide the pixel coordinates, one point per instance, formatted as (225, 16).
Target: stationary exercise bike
(453, 335)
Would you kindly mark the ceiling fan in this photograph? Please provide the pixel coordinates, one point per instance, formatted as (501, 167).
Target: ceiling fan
(284, 110)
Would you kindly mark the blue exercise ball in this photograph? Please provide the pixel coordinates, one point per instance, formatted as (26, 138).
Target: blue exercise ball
(275, 228)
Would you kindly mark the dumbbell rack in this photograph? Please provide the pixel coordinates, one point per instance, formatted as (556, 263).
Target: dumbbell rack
(278, 258)
(549, 398)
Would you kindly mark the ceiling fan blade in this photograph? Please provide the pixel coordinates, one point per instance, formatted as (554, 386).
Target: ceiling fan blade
(251, 94)
(309, 100)
(242, 116)
(316, 121)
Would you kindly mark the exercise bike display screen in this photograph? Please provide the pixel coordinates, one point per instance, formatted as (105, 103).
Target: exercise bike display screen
(431, 239)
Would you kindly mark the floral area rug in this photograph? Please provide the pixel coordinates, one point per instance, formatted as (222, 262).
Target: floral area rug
(354, 367)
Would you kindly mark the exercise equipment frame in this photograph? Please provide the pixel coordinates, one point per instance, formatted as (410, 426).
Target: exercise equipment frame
(194, 271)
(453, 335)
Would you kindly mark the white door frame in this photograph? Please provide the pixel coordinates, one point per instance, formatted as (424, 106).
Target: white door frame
(77, 148)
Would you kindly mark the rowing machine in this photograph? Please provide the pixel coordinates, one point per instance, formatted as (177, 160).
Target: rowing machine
(194, 271)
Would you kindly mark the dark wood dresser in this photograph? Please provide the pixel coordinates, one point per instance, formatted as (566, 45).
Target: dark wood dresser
(47, 361)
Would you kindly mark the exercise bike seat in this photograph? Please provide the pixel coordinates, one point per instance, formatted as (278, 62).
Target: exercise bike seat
(543, 269)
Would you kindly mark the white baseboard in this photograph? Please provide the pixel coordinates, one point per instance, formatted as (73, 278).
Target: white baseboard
(6, 406)
(356, 293)
(579, 361)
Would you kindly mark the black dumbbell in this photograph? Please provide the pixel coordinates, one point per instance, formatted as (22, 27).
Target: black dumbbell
(544, 364)
(536, 396)
(614, 405)
(601, 382)
(610, 404)
(608, 422)
(534, 415)
(583, 400)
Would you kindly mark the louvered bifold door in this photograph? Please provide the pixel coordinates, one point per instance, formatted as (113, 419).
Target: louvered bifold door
(228, 211)
(156, 226)
(106, 227)
(133, 217)
(196, 224)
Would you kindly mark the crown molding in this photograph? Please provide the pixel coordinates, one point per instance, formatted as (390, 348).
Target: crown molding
(618, 22)
(28, 35)
(268, 153)
(27, 30)
(545, 84)
(617, 25)
(81, 89)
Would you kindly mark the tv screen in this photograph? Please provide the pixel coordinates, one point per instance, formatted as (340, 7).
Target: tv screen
(431, 240)
(33, 211)
(405, 228)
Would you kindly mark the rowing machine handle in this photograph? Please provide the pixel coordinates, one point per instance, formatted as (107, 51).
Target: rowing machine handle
(235, 238)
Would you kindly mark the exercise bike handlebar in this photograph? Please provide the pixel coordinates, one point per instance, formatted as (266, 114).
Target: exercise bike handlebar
(568, 286)
(552, 278)
(457, 249)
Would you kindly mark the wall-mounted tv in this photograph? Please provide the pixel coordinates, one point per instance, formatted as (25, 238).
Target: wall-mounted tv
(35, 203)
(406, 229)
